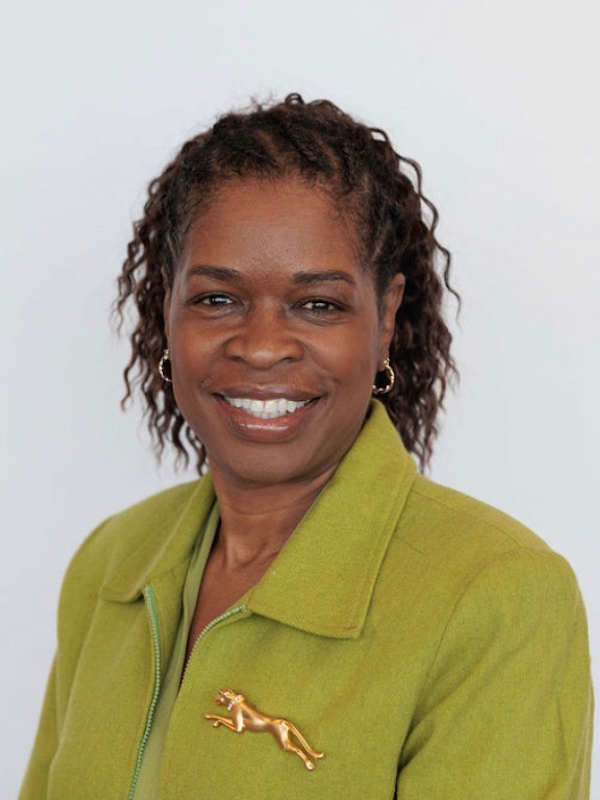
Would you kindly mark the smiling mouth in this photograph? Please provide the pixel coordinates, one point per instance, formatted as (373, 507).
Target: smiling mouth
(266, 409)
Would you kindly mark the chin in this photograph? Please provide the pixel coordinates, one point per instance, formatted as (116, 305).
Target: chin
(273, 466)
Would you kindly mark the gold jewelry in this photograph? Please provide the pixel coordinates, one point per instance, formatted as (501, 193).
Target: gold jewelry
(391, 379)
(245, 717)
(166, 356)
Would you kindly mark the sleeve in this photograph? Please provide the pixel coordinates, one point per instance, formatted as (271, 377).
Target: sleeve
(35, 783)
(506, 711)
(78, 599)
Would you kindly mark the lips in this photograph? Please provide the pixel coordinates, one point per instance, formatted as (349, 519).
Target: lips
(271, 408)
(267, 414)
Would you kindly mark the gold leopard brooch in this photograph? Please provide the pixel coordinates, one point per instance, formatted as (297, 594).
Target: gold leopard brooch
(244, 717)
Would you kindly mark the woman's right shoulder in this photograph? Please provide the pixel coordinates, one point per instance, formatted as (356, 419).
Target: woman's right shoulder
(121, 535)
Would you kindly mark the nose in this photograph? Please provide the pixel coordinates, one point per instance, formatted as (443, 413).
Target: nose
(263, 340)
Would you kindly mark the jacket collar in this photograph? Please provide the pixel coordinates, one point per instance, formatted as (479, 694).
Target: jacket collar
(323, 579)
(164, 547)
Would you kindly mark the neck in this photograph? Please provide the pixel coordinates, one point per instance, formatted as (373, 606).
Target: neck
(257, 521)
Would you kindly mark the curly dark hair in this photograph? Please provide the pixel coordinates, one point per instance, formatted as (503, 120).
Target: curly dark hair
(395, 228)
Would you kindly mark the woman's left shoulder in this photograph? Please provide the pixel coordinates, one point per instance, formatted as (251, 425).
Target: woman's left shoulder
(452, 557)
(449, 517)
(456, 537)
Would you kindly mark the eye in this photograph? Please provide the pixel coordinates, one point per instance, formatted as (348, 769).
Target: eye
(319, 305)
(213, 305)
(214, 300)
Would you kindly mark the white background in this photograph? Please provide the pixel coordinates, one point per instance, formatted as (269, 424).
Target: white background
(497, 100)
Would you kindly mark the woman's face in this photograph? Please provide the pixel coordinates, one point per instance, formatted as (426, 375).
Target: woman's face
(275, 333)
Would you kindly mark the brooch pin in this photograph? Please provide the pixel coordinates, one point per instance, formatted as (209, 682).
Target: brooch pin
(244, 717)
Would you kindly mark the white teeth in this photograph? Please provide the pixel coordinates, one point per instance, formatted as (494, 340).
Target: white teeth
(267, 409)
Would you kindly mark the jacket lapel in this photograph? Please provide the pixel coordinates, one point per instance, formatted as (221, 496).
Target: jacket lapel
(161, 560)
(164, 550)
(323, 579)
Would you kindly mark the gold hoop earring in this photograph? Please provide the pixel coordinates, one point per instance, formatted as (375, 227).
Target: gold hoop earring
(391, 379)
(166, 356)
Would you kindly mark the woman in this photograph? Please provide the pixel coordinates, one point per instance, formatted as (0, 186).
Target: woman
(392, 637)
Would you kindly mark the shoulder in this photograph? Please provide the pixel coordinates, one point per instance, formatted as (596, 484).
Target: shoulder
(123, 531)
(438, 517)
(472, 575)
(461, 543)
(138, 529)
(497, 585)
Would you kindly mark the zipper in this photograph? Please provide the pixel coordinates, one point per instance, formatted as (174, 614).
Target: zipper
(153, 619)
(232, 612)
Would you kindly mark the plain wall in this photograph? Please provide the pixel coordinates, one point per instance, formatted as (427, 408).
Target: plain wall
(496, 100)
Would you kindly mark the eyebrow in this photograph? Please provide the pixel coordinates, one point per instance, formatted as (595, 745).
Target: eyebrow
(323, 276)
(302, 278)
(218, 273)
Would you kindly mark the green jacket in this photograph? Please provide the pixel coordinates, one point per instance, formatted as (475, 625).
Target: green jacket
(429, 645)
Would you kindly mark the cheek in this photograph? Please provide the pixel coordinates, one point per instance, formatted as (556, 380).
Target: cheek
(354, 363)
(190, 351)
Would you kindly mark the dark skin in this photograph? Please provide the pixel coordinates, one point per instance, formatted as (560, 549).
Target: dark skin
(270, 306)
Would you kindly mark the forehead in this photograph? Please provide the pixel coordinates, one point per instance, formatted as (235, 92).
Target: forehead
(270, 220)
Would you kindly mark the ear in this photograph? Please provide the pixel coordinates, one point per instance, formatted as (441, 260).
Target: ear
(390, 303)
(166, 311)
